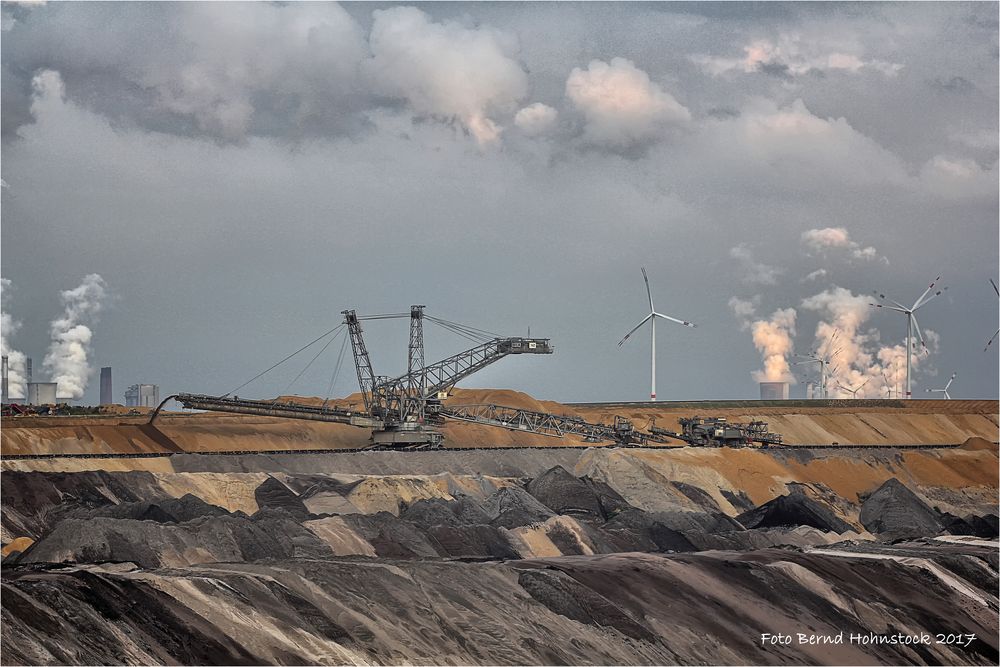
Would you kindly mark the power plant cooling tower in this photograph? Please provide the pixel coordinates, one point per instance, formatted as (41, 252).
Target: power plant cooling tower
(41, 393)
(774, 391)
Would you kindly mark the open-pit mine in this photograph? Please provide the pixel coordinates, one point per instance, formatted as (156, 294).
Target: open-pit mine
(867, 536)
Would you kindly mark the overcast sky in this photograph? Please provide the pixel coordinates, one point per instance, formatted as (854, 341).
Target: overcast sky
(239, 174)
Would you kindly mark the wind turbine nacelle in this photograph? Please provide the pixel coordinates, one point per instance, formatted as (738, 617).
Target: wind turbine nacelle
(525, 346)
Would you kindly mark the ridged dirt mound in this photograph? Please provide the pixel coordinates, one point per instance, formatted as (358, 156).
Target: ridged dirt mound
(795, 509)
(896, 512)
(131, 517)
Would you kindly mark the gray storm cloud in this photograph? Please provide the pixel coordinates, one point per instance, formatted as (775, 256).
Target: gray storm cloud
(147, 129)
(67, 359)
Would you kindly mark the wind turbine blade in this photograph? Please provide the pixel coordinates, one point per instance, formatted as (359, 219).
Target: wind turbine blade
(995, 288)
(950, 380)
(863, 384)
(926, 292)
(930, 298)
(990, 341)
(674, 319)
(920, 336)
(879, 305)
(648, 293)
(644, 320)
(883, 297)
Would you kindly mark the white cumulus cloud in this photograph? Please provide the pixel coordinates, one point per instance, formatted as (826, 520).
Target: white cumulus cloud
(827, 238)
(446, 69)
(794, 55)
(620, 103)
(535, 119)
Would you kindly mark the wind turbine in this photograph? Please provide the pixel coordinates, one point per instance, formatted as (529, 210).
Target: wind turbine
(886, 385)
(854, 392)
(990, 341)
(911, 321)
(945, 390)
(651, 318)
(823, 361)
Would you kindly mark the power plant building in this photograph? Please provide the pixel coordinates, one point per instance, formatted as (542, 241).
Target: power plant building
(142, 395)
(41, 393)
(774, 391)
(107, 396)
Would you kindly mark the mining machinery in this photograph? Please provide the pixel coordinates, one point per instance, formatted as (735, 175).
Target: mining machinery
(719, 432)
(403, 412)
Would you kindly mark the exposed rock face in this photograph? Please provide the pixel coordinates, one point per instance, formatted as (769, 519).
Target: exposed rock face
(895, 512)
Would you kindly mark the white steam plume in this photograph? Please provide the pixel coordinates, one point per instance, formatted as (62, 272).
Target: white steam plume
(860, 357)
(774, 340)
(744, 309)
(17, 382)
(67, 359)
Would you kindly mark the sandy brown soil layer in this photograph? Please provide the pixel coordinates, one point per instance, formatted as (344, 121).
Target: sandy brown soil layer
(621, 609)
(844, 422)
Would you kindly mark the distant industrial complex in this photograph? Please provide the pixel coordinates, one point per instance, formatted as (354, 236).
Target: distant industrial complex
(44, 393)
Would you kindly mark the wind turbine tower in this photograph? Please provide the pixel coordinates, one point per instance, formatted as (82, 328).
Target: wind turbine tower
(911, 322)
(823, 362)
(854, 392)
(651, 318)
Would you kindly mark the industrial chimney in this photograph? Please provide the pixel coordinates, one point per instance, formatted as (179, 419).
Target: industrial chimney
(6, 398)
(107, 397)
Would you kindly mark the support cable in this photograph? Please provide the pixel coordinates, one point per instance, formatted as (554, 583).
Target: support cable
(459, 332)
(471, 330)
(321, 351)
(268, 370)
(336, 373)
